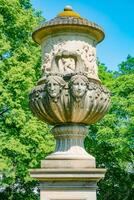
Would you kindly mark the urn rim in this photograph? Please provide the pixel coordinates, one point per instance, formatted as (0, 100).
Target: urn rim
(68, 20)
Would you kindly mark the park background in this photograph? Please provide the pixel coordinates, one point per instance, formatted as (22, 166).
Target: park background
(24, 139)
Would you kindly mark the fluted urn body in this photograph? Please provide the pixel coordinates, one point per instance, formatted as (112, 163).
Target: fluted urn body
(70, 90)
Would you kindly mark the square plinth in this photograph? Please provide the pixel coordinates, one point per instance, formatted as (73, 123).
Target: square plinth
(68, 184)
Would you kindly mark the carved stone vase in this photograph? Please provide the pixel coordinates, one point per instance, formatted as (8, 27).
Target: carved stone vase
(70, 97)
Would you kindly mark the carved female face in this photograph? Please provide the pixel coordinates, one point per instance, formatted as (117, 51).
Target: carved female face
(53, 88)
(79, 87)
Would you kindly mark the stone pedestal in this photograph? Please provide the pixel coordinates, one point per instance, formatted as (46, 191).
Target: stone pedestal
(69, 151)
(68, 184)
(70, 172)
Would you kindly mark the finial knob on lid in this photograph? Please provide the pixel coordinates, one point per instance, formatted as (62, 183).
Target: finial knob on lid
(68, 8)
(68, 12)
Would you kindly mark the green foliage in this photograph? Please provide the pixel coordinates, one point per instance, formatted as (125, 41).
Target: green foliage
(111, 139)
(127, 67)
(24, 140)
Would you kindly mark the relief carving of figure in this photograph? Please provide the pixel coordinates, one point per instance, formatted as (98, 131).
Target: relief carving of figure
(78, 86)
(66, 65)
(88, 56)
(55, 87)
(68, 57)
(78, 90)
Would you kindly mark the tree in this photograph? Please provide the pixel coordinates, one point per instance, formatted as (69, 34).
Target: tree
(110, 140)
(127, 67)
(24, 139)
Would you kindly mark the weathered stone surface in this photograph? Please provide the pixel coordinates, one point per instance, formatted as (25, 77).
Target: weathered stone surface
(75, 100)
(91, 174)
(68, 184)
(69, 54)
(68, 23)
(70, 90)
(69, 96)
(69, 151)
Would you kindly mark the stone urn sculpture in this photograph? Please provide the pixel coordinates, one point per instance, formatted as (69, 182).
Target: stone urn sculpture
(69, 96)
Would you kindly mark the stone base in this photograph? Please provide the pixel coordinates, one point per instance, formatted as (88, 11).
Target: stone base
(68, 184)
(67, 195)
(69, 173)
(68, 163)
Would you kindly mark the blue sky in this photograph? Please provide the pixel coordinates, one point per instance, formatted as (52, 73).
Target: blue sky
(115, 16)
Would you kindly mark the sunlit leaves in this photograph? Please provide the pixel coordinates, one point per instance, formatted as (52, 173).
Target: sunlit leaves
(24, 140)
(111, 139)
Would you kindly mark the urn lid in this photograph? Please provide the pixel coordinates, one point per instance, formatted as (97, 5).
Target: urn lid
(66, 21)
